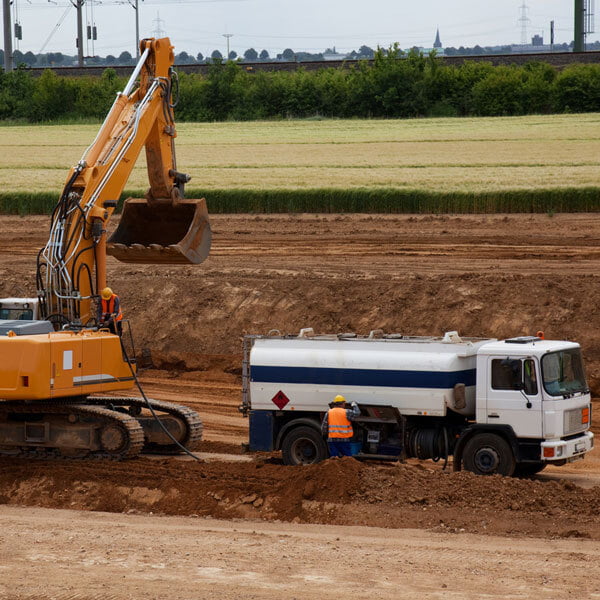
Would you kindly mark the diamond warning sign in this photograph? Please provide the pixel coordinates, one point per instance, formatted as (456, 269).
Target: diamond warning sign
(280, 400)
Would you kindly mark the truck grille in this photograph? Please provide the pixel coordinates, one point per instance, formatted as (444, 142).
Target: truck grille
(573, 420)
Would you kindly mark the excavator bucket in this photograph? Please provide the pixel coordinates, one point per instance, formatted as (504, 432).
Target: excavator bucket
(162, 233)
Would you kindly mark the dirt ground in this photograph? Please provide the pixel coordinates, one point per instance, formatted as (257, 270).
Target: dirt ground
(482, 275)
(70, 555)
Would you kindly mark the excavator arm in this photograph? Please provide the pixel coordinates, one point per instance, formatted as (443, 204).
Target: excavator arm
(161, 228)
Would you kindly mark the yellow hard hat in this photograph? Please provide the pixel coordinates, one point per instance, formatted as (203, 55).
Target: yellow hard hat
(339, 399)
(106, 293)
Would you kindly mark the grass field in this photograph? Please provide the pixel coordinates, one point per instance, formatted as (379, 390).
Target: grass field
(437, 156)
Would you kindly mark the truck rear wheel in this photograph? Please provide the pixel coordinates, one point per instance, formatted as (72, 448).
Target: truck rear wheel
(488, 454)
(303, 446)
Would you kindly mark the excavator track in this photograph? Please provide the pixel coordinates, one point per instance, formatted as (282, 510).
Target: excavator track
(52, 430)
(185, 424)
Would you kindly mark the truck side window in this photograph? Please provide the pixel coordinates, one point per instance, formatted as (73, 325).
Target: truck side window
(506, 374)
(530, 379)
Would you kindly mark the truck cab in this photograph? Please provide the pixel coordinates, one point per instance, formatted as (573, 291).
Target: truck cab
(19, 309)
(536, 391)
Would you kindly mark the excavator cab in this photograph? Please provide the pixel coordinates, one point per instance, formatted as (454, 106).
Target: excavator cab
(155, 232)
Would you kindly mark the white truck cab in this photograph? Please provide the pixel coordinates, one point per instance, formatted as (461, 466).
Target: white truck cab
(19, 309)
(538, 388)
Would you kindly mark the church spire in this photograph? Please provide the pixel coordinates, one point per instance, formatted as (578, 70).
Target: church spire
(437, 43)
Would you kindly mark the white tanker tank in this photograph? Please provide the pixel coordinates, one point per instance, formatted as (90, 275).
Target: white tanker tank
(417, 375)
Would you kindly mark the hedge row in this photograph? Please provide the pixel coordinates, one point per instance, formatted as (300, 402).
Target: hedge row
(393, 86)
(392, 201)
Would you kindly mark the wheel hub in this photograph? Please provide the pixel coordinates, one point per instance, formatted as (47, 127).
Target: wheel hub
(487, 459)
(304, 452)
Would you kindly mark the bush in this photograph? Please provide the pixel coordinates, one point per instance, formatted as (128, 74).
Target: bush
(577, 89)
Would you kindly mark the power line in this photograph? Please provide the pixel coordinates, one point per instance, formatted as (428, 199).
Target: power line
(56, 28)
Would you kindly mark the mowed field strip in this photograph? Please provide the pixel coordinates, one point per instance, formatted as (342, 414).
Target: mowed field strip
(465, 155)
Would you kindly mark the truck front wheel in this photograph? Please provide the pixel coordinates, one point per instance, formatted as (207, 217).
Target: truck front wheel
(487, 454)
(303, 446)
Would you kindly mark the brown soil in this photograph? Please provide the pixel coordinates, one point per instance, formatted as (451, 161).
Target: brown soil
(482, 275)
(72, 555)
(338, 491)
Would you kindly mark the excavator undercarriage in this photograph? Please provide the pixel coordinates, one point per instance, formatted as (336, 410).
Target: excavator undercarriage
(96, 427)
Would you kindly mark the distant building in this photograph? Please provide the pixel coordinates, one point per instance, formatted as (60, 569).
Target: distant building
(437, 46)
(332, 54)
(537, 40)
(537, 45)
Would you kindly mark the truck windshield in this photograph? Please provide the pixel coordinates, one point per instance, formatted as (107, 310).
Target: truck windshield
(563, 373)
(16, 314)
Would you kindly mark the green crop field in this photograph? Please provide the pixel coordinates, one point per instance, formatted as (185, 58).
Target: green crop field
(496, 159)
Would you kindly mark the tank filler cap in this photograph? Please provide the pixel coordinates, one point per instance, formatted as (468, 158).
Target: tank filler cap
(451, 337)
(306, 332)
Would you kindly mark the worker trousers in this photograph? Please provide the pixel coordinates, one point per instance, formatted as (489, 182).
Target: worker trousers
(342, 448)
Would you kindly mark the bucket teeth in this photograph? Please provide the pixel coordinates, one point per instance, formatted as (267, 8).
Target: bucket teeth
(154, 253)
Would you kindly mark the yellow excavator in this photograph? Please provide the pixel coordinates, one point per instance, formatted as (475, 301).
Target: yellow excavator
(54, 370)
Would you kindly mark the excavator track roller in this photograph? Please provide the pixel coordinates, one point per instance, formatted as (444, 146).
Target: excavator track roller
(162, 232)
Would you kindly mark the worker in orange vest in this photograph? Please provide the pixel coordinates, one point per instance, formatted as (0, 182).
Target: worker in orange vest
(110, 314)
(338, 427)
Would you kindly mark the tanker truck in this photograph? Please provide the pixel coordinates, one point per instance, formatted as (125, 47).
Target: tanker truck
(496, 406)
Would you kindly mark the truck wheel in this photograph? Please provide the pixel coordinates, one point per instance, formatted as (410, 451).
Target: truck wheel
(529, 469)
(487, 453)
(303, 446)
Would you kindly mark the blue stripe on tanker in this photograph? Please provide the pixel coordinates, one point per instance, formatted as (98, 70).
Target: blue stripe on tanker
(363, 377)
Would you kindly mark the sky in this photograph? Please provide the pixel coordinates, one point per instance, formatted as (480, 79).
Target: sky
(303, 25)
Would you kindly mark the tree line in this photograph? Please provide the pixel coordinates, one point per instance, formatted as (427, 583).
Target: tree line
(392, 86)
(125, 58)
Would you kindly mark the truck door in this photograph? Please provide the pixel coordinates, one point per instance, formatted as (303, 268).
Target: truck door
(514, 395)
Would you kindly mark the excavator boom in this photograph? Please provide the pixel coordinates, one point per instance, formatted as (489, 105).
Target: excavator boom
(161, 228)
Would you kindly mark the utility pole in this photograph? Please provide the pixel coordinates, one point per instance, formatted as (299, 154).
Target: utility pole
(584, 23)
(552, 36)
(136, 6)
(78, 4)
(8, 52)
(579, 45)
(137, 29)
(228, 36)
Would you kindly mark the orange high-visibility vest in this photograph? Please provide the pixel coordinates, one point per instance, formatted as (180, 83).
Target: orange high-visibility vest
(108, 307)
(339, 424)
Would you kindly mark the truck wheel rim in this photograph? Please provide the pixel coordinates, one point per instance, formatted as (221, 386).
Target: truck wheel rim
(487, 460)
(304, 452)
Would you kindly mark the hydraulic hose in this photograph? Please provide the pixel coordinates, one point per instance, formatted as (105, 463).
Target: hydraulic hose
(156, 418)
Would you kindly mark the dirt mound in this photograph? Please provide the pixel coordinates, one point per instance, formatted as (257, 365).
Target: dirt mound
(419, 485)
(337, 491)
(489, 276)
